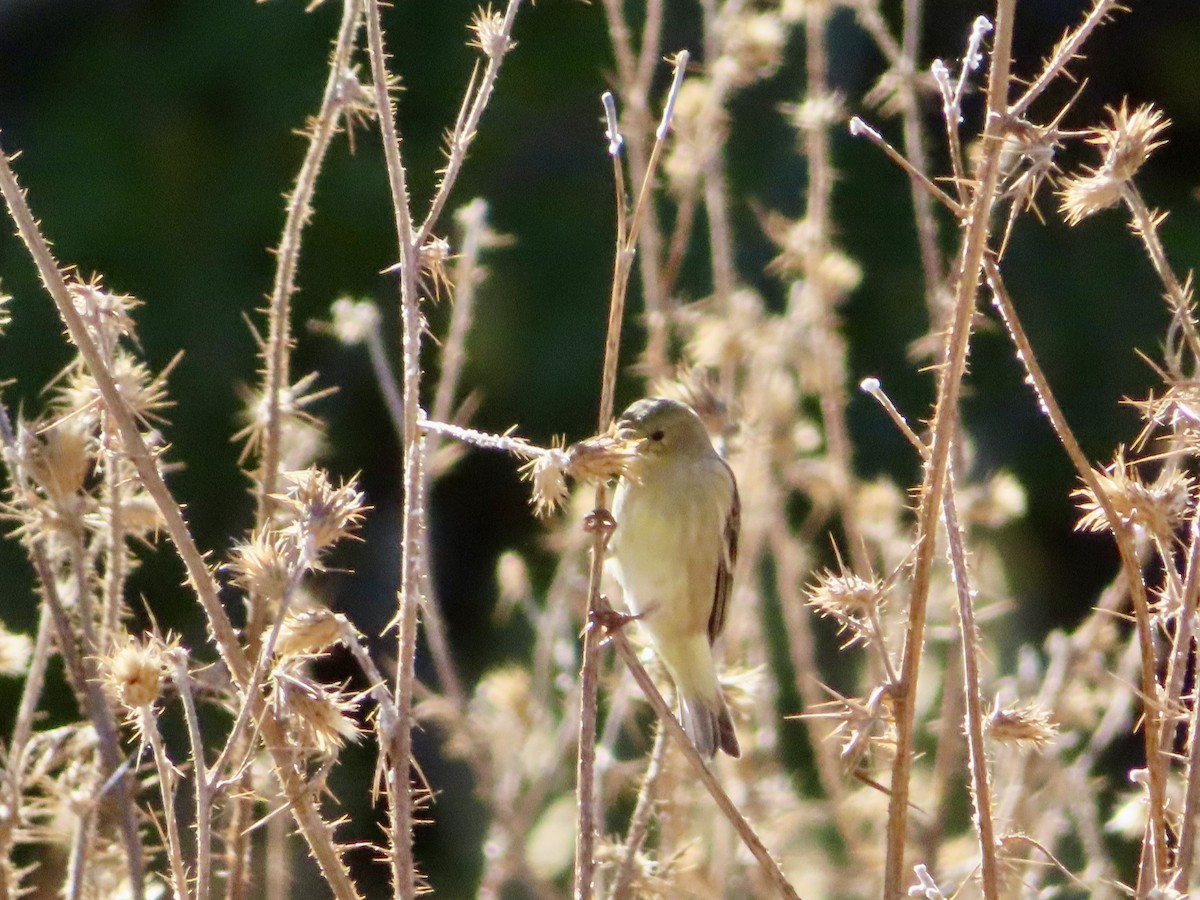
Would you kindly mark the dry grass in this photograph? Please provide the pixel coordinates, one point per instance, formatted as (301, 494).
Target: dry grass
(96, 803)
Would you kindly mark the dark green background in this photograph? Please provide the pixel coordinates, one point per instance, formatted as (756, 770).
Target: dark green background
(157, 141)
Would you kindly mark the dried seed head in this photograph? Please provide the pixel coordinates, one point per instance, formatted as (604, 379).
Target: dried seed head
(998, 502)
(309, 632)
(301, 442)
(1027, 725)
(144, 392)
(487, 26)
(133, 674)
(720, 339)
(816, 113)
(58, 459)
(1126, 144)
(432, 259)
(504, 698)
(512, 578)
(1087, 194)
(318, 718)
(699, 123)
(355, 102)
(1131, 138)
(15, 652)
(293, 403)
(264, 564)
(316, 512)
(845, 592)
(106, 315)
(600, 459)
(849, 600)
(755, 43)
(354, 321)
(140, 515)
(548, 474)
(1159, 507)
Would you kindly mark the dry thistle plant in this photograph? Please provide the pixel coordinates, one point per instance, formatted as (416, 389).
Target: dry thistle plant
(188, 769)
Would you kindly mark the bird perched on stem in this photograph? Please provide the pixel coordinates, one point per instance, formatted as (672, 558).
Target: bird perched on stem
(674, 547)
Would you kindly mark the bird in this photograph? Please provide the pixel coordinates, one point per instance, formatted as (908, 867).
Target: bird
(674, 546)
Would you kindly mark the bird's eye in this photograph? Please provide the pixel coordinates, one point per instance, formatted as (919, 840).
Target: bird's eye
(657, 435)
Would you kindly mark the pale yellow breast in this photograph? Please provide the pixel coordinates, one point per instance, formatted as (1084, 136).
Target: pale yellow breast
(669, 539)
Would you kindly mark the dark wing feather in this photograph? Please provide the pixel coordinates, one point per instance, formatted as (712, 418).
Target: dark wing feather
(724, 585)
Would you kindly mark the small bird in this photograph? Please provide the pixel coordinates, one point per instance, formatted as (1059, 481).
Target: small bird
(675, 543)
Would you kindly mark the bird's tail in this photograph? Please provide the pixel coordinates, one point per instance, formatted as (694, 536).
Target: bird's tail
(709, 725)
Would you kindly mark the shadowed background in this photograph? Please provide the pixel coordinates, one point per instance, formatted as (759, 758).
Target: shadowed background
(158, 139)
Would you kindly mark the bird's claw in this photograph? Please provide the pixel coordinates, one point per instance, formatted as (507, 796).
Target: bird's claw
(599, 520)
(611, 620)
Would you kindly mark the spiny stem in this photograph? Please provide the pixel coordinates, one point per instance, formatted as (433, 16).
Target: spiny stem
(945, 421)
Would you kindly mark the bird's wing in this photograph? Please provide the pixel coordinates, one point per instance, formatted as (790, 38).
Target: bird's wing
(724, 582)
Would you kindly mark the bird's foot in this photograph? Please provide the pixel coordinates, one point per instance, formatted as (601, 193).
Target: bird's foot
(599, 521)
(609, 619)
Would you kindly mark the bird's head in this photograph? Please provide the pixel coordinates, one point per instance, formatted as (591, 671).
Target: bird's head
(662, 426)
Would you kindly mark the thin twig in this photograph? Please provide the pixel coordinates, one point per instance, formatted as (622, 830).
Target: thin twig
(643, 811)
(666, 717)
(626, 242)
(299, 211)
(1155, 762)
(316, 832)
(474, 103)
(399, 750)
(945, 421)
(1145, 226)
(167, 779)
(1067, 50)
(981, 789)
(177, 658)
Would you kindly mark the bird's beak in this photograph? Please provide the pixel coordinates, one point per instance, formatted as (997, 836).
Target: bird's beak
(623, 431)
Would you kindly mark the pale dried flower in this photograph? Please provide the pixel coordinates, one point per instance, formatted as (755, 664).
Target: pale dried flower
(15, 652)
(301, 442)
(755, 42)
(309, 632)
(58, 458)
(106, 315)
(512, 579)
(816, 113)
(548, 474)
(699, 122)
(698, 388)
(293, 403)
(144, 393)
(487, 26)
(432, 259)
(263, 565)
(718, 340)
(140, 514)
(1023, 725)
(133, 673)
(318, 513)
(1159, 506)
(355, 103)
(318, 717)
(848, 599)
(1126, 144)
(354, 321)
(1000, 501)
(845, 592)
(600, 459)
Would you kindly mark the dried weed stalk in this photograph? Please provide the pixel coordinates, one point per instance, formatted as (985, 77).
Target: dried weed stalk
(557, 742)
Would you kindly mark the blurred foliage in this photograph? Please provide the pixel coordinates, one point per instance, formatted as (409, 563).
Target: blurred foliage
(158, 139)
